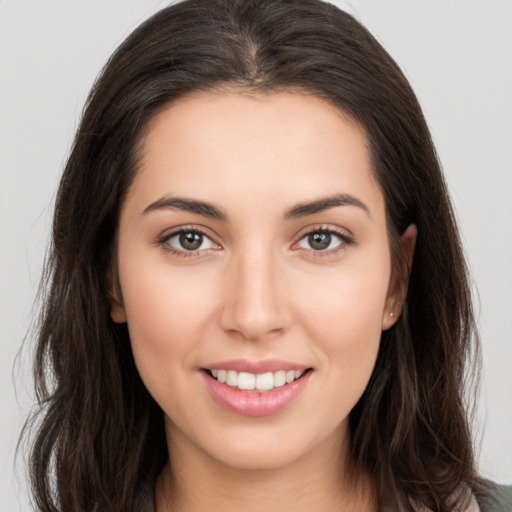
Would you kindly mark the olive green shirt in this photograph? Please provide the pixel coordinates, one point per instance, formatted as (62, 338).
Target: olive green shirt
(499, 499)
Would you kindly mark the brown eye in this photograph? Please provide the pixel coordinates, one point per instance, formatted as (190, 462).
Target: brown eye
(323, 240)
(190, 240)
(319, 241)
(187, 241)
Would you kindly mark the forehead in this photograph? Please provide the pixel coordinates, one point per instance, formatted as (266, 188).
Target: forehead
(225, 143)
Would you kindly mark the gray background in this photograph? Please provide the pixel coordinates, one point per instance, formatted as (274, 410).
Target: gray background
(458, 57)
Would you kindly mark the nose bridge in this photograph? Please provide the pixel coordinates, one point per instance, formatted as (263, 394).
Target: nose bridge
(255, 306)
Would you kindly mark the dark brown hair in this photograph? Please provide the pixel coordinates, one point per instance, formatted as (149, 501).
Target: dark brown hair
(100, 442)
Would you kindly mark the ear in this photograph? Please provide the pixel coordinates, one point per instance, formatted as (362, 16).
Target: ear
(397, 291)
(117, 311)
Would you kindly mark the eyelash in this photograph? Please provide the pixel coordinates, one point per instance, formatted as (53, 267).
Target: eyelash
(345, 240)
(163, 241)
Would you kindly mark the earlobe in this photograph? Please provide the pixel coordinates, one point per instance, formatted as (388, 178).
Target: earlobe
(388, 319)
(117, 311)
(397, 291)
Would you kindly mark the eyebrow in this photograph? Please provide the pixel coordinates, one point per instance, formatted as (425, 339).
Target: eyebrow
(324, 203)
(297, 211)
(188, 205)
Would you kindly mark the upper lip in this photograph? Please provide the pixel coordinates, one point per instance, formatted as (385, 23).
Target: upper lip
(256, 367)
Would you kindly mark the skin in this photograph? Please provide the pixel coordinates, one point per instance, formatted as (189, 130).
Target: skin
(256, 289)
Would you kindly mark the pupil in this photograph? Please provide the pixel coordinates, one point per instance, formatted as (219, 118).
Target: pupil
(190, 240)
(319, 241)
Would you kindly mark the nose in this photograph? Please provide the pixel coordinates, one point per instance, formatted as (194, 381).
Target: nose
(255, 305)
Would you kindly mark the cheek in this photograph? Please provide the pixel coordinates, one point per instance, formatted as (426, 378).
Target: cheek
(166, 317)
(345, 304)
(343, 318)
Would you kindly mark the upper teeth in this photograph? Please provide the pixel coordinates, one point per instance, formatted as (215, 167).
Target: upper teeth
(258, 382)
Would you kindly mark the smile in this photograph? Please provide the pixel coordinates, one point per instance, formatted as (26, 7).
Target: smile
(255, 389)
(260, 382)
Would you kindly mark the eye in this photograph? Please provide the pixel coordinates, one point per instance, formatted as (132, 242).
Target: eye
(187, 240)
(323, 240)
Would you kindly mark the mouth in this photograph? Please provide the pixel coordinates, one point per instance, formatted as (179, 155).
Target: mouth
(256, 382)
(268, 389)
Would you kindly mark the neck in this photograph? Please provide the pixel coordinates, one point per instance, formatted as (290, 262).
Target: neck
(319, 481)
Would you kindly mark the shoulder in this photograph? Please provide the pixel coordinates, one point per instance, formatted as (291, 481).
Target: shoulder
(498, 498)
(490, 498)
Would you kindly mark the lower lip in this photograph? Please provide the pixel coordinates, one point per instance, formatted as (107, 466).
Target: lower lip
(251, 403)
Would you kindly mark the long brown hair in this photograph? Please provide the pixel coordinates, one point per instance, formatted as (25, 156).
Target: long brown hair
(99, 439)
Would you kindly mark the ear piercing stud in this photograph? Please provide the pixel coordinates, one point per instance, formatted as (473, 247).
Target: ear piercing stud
(391, 315)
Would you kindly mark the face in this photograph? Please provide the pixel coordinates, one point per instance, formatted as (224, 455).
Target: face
(255, 274)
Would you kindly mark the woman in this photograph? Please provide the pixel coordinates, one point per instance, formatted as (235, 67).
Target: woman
(256, 295)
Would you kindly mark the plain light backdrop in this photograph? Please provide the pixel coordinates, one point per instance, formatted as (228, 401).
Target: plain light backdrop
(457, 55)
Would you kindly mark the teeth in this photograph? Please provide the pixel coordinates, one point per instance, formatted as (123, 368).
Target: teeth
(265, 381)
(279, 378)
(246, 380)
(232, 378)
(261, 382)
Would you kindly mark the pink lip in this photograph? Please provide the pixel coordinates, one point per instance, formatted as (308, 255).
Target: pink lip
(244, 365)
(252, 403)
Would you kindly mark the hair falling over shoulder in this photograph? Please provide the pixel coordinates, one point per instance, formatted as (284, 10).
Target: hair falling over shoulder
(97, 440)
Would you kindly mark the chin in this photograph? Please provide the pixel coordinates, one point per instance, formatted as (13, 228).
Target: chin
(257, 458)
(272, 446)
